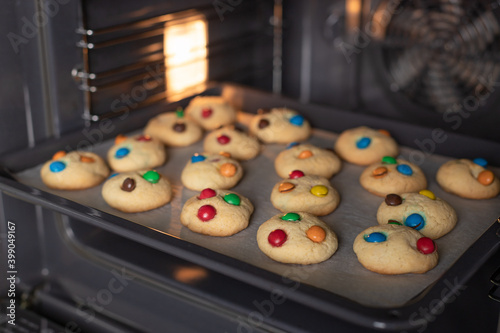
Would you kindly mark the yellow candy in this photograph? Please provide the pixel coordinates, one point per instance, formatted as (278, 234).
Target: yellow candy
(428, 194)
(319, 190)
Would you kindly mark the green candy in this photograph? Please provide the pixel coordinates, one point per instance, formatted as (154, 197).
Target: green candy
(291, 217)
(232, 199)
(151, 176)
(389, 160)
(179, 113)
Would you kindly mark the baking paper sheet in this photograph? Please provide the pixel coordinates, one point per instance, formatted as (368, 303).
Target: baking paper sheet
(341, 274)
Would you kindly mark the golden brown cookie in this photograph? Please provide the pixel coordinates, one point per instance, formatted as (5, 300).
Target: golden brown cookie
(174, 129)
(137, 152)
(229, 139)
(211, 112)
(280, 125)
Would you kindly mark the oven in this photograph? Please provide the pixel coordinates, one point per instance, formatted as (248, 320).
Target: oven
(76, 73)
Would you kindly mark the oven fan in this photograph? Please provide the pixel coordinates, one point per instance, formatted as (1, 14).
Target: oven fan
(443, 55)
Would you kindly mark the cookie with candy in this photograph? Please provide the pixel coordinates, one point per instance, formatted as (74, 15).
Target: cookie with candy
(174, 129)
(136, 152)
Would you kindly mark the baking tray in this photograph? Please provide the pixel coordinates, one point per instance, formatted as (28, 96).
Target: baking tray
(340, 276)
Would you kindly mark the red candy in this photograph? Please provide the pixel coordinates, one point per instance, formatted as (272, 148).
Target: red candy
(207, 193)
(144, 138)
(426, 245)
(296, 174)
(223, 139)
(277, 238)
(205, 113)
(206, 213)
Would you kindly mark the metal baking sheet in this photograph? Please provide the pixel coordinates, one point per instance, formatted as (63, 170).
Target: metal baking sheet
(341, 274)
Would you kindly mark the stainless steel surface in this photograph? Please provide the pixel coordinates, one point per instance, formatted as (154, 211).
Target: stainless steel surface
(341, 274)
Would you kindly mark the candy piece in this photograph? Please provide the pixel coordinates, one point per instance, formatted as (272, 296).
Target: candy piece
(389, 160)
(384, 132)
(57, 166)
(485, 177)
(205, 113)
(380, 172)
(206, 213)
(305, 154)
(428, 194)
(223, 139)
(319, 191)
(128, 185)
(316, 234)
(277, 238)
(113, 175)
(207, 193)
(59, 154)
(232, 199)
(86, 159)
(152, 176)
(120, 138)
(122, 152)
(291, 217)
(415, 221)
(480, 161)
(144, 138)
(197, 158)
(426, 245)
(179, 113)
(228, 169)
(286, 187)
(263, 123)
(393, 200)
(292, 144)
(375, 237)
(394, 222)
(179, 127)
(225, 153)
(405, 169)
(363, 143)
(297, 120)
(296, 174)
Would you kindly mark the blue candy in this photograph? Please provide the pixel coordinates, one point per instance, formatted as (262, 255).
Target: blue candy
(113, 175)
(197, 158)
(292, 144)
(375, 237)
(480, 161)
(363, 143)
(57, 166)
(405, 169)
(297, 120)
(122, 152)
(415, 221)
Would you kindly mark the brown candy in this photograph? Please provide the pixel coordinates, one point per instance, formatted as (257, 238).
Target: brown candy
(179, 127)
(393, 200)
(128, 185)
(485, 177)
(286, 187)
(305, 154)
(380, 172)
(263, 123)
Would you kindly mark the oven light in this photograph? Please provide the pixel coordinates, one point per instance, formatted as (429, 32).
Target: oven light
(185, 50)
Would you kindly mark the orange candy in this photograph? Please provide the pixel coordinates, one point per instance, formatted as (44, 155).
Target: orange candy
(380, 172)
(316, 234)
(384, 132)
(305, 154)
(225, 153)
(120, 138)
(486, 177)
(86, 159)
(286, 187)
(59, 154)
(228, 169)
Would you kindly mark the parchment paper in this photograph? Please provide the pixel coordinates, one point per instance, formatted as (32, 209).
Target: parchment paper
(342, 274)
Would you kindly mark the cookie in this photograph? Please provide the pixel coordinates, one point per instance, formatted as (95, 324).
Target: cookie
(138, 152)
(297, 238)
(216, 213)
(468, 179)
(74, 171)
(211, 112)
(137, 191)
(211, 171)
(395, 249)
(393, 176)
(280, 125)
(308, 158)
(422, 211)
(364, 145)
(311, 194)
(230, 139)
(174, 129)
